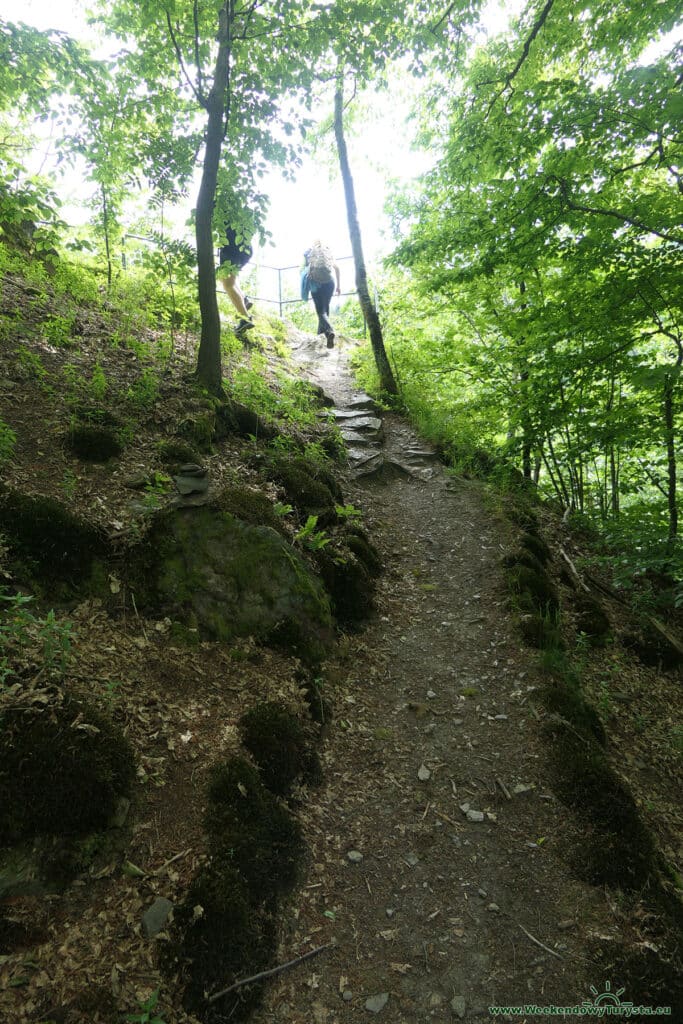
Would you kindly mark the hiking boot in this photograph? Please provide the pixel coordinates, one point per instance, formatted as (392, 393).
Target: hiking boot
(330, 340)
(242, 328)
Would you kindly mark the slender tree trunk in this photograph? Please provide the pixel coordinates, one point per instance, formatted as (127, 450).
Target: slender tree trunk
(105, 225)
(524, 393)
(670, 438)
(386, 376)
(209, 369)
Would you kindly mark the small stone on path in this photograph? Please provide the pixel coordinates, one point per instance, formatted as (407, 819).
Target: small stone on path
(458, 1006)
(156, 916)
(376, 1003)
(355, 856)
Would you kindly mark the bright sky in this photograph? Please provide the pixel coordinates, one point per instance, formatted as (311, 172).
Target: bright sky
(313, 206)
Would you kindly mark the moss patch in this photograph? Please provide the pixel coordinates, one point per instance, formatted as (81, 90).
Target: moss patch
(534, 590)
(219, 936)
(62, 769)
(250, 506)
(348, 583)
(279, 745)
(176, 453)
(618, 850)
(310, 486)
(93, 443)
(50, 544)
(592, 620)
(224, 929)
(252, 831)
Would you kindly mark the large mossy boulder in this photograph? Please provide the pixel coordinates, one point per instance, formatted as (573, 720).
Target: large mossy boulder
(208, 568)
(51, 545)
(63, 767)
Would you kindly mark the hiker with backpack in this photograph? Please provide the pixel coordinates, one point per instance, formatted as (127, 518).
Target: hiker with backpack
(322, 274)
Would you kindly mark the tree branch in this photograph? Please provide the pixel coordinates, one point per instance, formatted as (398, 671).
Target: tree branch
(508, 78)
(201, 100)
(269, 974)
(634, 222)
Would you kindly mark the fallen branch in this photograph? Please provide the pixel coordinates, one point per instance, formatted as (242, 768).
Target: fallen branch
(269, 974)
(575, 571)
(546, 948)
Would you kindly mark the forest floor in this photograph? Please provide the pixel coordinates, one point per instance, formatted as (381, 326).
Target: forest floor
(437, 874)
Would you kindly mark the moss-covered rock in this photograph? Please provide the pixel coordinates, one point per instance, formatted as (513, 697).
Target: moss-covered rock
(277, 741)
(205, 567)
(235, 418)
(310, 486)
(175, 453)
(534, 543)
(250, 506)
(217, 938)
(198, 429)
(348, 583)
(48, 543)
(62, 769)
(252, 831)
(357, 541)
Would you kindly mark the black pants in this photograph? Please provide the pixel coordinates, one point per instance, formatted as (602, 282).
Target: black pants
(321, 300)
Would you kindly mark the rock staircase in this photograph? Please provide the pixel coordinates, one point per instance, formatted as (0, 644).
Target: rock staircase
(372, 452)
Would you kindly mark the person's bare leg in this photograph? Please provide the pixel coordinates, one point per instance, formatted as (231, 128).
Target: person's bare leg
(232, 288)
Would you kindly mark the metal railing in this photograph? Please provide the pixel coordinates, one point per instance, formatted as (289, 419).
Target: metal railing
(281, 301)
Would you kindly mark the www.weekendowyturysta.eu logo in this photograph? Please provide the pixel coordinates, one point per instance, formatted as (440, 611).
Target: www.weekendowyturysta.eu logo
(605, 1003)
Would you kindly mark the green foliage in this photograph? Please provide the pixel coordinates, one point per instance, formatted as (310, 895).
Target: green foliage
(23, 635)
(145, 392)
(156, 490)
(542, 320)
(147, 1014)
(311, 538)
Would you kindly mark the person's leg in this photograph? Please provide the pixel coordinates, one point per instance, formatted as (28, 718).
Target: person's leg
(230, 286)
(327, 291)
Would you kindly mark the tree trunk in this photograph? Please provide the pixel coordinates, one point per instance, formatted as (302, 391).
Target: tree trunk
(524, 394)
(209, 369)
(386, 376)
(669, 428)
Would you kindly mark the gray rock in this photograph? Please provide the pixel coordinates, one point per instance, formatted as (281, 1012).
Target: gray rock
(376, 1003)
(355, 856)
(458, 1006)
(347, 995)
(155, 917)
(137, 482)
(473, 815)
(192, 480)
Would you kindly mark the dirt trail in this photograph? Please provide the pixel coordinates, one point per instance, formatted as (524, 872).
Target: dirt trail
(444, 915)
